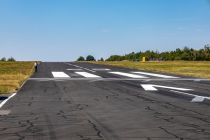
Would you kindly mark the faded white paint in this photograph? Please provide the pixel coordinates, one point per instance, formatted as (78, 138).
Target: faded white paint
(101, 69)
(197, 98)
(80, 67)
(73, 69)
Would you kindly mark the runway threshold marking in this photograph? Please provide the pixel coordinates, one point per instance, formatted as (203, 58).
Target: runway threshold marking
(60, 75)
(128, 75)
(6, 100)
(155, 75)
(80, 67)
(88, 75)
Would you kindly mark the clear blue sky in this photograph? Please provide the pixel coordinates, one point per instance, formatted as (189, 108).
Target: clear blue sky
(62, 30)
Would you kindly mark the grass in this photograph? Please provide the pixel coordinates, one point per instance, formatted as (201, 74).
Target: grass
(13, 74)
(199, 69)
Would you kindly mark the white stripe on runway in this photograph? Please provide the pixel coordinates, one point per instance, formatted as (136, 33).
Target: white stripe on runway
(128, 75)
(79, 67)
(88, 75)
(155, 75)
(73, 69)
(100, 69)
(4, 102)
(60, 75)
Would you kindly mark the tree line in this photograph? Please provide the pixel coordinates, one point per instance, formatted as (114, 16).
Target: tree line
(89, 58)
(186, 53)
(4, 59)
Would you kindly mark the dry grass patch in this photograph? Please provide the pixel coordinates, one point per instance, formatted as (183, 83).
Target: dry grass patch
(13, 74)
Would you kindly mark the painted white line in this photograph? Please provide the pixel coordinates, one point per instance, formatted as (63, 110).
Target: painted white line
(80, 67)
(150, 87)
(60, 75)
(155, 75)
(5, 112)
(4, 102)
(100, 69)
(73, 69)
(128, 74)
(88, 75)
(196, 98)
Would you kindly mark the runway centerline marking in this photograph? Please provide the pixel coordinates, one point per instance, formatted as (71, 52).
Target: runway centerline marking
(4, 102)
(80, 67)
(88, 75)
(128, 75)
(154, 74)
(60, 75)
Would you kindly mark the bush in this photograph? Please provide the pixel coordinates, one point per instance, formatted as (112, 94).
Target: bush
(3, 59)
(11, 59)
(102, 59)
(81, 58)
(90, 58)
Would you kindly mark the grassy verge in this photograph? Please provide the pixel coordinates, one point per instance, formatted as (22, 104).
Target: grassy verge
(185, 68)
(13, 74)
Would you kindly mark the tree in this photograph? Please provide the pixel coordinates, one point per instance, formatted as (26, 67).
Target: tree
(186, 53)
(11, 59)
(102, 59)
(90, 58)
(81, 58)
(3, 59)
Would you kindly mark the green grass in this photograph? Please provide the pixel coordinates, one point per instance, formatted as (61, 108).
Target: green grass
(199, 69)
(13, 74)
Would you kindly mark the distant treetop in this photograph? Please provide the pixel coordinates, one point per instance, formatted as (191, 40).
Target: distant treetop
(81, 58)
(90, 58)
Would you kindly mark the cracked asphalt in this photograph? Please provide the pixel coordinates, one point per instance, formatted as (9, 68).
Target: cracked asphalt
(64, 109)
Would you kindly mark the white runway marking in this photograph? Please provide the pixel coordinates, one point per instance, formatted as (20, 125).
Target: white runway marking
(100, 69)
(196, 98)
(60, 75)
(79, 67)
(5, 112)
(156, 75)
(128, 75)
(88, 75)
(4, 102)
(73, 69)
(150, 87)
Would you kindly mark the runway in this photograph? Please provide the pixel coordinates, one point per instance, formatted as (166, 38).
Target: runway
(83, 101)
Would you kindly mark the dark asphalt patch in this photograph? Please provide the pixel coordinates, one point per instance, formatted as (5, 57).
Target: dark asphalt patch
(3, 97)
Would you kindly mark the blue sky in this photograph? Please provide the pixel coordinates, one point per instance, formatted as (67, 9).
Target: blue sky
(62, 30)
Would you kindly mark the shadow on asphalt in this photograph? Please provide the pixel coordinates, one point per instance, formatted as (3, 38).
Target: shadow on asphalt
(3, 97)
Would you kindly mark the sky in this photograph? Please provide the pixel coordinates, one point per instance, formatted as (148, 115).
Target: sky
(63, 30)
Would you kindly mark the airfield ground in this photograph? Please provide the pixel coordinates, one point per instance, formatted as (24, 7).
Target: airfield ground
(84, 101)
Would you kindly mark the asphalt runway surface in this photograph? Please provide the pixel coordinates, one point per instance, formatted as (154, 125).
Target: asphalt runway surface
(82, 101)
